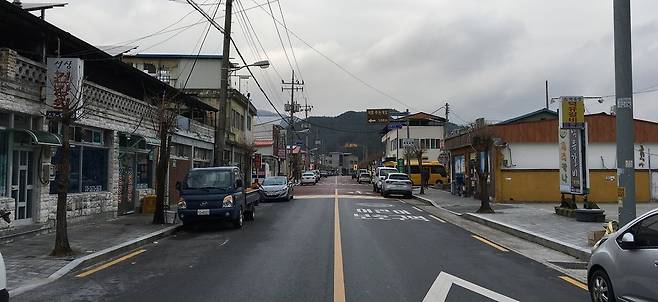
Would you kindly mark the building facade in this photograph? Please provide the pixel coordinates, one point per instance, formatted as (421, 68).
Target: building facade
(113, 142)
(524, 160)
(424, 129)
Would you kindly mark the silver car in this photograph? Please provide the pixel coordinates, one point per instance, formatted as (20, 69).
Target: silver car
(277, 187)
(624, 264)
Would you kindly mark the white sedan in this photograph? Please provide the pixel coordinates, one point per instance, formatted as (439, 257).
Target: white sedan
(308, 178)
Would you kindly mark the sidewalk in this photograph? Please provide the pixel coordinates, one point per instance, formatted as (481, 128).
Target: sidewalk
(536, 222)
(28, 262)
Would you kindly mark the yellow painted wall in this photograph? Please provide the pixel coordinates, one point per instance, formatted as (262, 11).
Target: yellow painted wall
(543, 186)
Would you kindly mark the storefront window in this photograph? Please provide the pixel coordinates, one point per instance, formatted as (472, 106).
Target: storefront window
(144, 168)
(94, 172)
(3, 162)
(88, 170)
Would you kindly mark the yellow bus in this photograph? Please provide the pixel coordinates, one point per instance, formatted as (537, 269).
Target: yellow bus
(437, 172)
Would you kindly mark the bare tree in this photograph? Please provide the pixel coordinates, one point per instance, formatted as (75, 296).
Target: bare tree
(482, 142)
(165, 121)
(69, 105)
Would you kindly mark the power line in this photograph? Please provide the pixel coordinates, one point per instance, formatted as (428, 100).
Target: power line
(201, 46)
(345, 70)
(279, 35)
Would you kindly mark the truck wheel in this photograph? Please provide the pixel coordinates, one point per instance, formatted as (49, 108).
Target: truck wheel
(250, 215)
(239, 221)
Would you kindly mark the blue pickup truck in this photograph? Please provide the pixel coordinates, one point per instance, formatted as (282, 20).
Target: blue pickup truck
(216, 193)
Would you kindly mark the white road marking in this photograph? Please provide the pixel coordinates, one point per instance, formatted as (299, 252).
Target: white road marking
(438, 219)
(358, 192)
(225, 242)
(417, 209)
(441, 287)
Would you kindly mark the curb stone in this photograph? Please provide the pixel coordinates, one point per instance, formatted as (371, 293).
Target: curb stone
(551, 243)
(96, 257)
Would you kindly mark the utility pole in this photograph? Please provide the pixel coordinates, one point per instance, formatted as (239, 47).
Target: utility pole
(307, 108)
(292, 107)
(445, 125)
(625, 130)
(408, 137)
(222, 121)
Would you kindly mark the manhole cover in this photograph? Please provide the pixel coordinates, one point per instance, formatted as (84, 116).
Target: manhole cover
(374, 205)
(570, 265)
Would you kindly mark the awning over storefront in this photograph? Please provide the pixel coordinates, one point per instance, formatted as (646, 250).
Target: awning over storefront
(42, 137)
(152, 141)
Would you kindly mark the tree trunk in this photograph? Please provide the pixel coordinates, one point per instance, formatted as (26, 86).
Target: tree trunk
(62, 246)
(161, 176)
(485, 205)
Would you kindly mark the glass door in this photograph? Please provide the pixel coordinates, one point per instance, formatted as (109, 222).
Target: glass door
(22, 184)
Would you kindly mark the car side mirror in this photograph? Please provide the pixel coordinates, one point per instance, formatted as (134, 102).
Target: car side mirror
(627, 240)
(178, 185)
(238, 183)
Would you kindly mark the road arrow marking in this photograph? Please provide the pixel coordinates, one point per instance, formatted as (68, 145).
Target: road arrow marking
(441, 287)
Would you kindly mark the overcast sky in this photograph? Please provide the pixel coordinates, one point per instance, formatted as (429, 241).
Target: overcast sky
(486, 58)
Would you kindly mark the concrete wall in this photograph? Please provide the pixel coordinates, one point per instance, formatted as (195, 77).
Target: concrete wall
(543, 186)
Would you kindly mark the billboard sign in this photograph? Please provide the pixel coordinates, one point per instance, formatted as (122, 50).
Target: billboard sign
(375, 116)
(64, 84)
(574, 175)
(572, 112)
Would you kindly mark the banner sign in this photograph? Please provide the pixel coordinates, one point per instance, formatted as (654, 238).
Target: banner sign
(574, 175)
(378, 115)
(572, 112)
(258, 161)
(64, 84)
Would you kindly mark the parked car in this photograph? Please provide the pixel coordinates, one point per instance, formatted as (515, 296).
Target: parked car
(277, 187)
(308, 178)
(324, 174)
(364, 178)
(624, 264)
(4, 294)
(380, 175)
(216, 193)
(397, 183)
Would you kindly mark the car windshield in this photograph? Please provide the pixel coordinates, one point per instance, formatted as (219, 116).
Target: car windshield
(398, 177)
(208, 179)
(274, 181)
(365, 175)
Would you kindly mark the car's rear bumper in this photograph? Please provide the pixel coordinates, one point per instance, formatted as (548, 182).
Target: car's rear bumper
(308, 181)
(192, 215)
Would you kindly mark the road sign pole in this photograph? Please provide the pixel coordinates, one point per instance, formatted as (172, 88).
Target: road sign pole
(625, 135)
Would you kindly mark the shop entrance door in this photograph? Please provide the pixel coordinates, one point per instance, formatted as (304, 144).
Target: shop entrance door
(126, 183)
(22, 185)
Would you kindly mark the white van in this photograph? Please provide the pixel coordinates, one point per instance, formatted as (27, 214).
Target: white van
(380, 175)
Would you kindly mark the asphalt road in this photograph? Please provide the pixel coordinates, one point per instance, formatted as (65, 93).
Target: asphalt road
(389, 250)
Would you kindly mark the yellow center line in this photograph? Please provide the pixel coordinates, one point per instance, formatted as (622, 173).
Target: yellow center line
(108, 264)
(496, 246)
(339, 280)
(574, 282)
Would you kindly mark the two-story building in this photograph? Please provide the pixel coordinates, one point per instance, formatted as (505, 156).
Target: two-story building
(424, 129)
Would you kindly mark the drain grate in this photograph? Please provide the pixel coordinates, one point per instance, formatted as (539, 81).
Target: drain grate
(570, 265)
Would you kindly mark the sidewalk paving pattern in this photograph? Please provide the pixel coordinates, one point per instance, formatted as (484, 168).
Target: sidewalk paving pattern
(533, 219)
(27, 260)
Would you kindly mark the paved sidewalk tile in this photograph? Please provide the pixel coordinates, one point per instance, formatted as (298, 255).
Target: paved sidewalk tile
(27, 259)
(539, 218)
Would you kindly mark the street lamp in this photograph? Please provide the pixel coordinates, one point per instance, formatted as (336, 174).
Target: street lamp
(262, 64)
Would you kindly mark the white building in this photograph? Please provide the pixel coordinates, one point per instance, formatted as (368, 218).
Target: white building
(425, 129)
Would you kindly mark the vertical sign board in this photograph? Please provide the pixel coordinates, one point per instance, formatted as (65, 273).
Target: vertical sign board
(64, 85)
(572, 112)
(574, 175)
